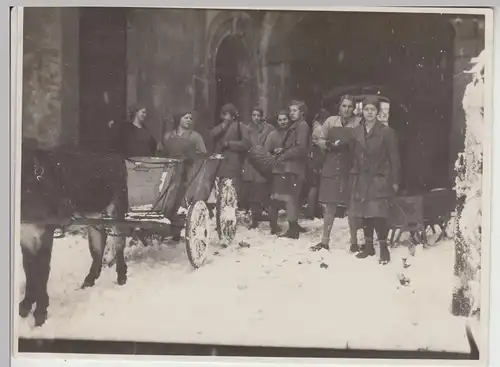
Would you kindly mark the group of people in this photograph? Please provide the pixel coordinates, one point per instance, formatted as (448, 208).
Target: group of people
(354, 162)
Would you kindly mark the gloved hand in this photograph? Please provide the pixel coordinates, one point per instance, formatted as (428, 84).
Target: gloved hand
(331, 145)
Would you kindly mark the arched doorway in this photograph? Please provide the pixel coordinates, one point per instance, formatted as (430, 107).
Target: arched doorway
(233, 77)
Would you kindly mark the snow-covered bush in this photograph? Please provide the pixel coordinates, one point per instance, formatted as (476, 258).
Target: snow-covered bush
(468, 185)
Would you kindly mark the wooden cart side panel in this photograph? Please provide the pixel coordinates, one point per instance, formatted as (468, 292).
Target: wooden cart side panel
(146, 182)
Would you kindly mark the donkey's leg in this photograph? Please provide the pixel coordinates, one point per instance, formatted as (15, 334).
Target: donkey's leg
(31, 238)
(29, 265)
(119, 238)
(42, 276)
(97, 243)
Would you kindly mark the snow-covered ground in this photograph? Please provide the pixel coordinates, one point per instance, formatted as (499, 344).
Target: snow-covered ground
(275, 292)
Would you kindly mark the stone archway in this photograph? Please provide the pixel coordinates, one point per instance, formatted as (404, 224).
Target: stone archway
(231, 46)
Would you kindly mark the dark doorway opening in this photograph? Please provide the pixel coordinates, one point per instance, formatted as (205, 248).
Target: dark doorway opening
(411, 55)
(103, 62)
(233, 77)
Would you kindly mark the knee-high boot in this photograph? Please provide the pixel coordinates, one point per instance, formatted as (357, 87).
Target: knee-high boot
(293, 231)
(273, 217)
(385, 255)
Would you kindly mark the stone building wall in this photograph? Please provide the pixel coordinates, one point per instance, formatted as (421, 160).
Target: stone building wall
(50, 76)
(163, 54)
(171, 57)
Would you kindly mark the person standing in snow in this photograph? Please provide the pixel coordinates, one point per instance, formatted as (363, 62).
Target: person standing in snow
(316, 160)
(274, 145)
(376, 169)
(231, 139)
(257, 186)
(290, 168)
(335, 180)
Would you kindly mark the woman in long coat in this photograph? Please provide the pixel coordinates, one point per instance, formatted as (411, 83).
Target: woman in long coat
(257, 186)
(376, 169)
(290, 168)
(335, 140)
(316, 160)
(230, 138)
(274, 145)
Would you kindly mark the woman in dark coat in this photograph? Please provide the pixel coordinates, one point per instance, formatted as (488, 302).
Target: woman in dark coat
(316, 160)
(257, 187)
(230, 138)
(133, 137)
(335, 139)
(375, 171)
(290, 168)
(274, 145)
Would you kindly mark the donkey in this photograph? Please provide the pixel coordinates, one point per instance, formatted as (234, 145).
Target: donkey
(55, 186)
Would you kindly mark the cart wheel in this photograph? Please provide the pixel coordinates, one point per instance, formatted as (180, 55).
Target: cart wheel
(227, 204)
(432, 235)
(197, 233)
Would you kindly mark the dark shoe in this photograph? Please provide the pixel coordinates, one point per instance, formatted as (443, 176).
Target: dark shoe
(319, 247)
(354, 247)
(254, 225)
(385, 255)
(368, 250)
(275, 229)
(292, 232)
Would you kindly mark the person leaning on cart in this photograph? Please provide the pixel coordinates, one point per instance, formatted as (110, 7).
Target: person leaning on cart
(257, 188)
(185, 144)
(183, 141)
(335, 182)
(290, 168)
(231, 139)
(375, 171)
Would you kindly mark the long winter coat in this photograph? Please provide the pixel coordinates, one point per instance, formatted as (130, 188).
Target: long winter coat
(238, 143)
(335, 179)
(258, 135)
(376, 167)
(296, 142)
(275, 140)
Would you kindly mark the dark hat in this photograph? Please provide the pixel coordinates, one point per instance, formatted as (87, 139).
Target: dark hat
(229, 108)
(373, 100)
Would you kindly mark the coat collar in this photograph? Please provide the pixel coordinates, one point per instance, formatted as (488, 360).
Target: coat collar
(294, 125)
(375, 129)
(291, 129)
(360, 132)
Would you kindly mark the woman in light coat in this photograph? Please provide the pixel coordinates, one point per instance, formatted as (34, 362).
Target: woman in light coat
(334, 186)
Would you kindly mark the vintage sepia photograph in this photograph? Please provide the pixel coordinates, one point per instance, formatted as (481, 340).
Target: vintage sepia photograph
(253, 182)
